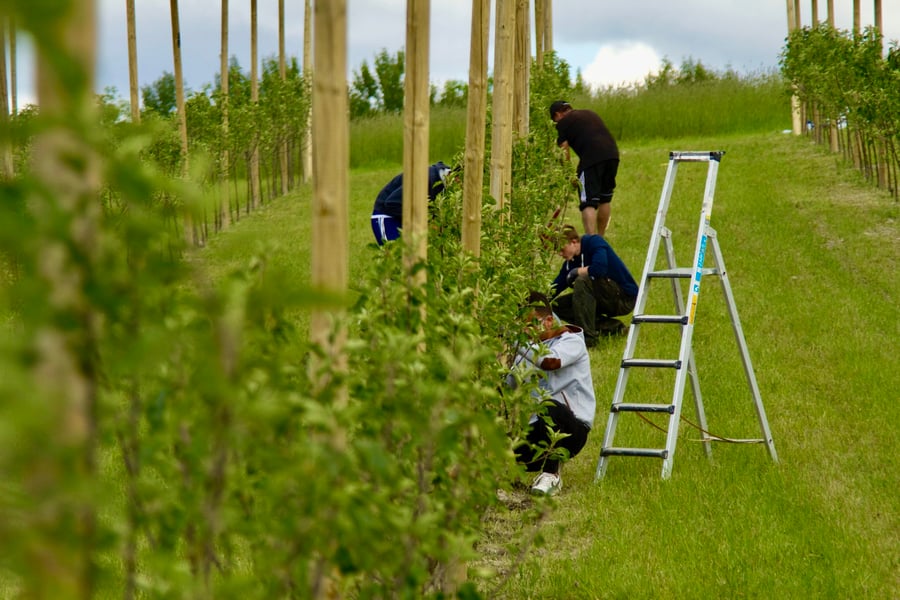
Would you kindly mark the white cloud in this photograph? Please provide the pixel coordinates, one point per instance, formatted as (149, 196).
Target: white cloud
(621, 64)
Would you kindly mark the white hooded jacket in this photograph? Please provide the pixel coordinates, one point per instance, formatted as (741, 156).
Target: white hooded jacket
(565, 366)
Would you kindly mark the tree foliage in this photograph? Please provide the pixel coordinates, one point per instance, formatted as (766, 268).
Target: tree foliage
(159, 96)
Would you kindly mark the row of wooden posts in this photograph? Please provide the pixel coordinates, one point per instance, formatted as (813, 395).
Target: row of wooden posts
(510, 110)
(871, 156)
(795, 21)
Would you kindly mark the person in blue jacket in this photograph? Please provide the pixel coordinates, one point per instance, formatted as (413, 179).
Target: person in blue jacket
(387, 214)
(602, 286)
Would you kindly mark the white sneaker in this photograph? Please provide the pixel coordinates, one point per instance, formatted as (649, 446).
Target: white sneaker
(546, 484)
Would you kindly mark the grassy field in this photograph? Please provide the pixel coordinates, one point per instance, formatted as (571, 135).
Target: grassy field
(812, 255)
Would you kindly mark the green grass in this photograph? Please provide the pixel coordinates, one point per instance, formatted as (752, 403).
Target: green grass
(812, 255)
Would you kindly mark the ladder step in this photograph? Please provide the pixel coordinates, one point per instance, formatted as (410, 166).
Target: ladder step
(649, 452)
(681, 272)
(651, 362)
(650, 408)
(678, 319)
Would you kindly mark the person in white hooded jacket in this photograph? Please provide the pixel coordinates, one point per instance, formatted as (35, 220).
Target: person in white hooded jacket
(561, 358)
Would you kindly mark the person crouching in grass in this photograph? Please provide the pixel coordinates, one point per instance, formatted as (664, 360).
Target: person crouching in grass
(559, 356)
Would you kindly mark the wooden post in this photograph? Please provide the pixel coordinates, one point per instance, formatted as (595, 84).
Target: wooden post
(224, 199)
(190, 234)
(331, 165)
(522, 68)
(13, 85)
(539, 32)
(132, 62)
(834, 140)
(856, 17)
(255, 195)
(306, 144)
(473, 169)
(548, 25)
(282, 71)
(6, 160)
(501, 138)
(879, 21)
(63, 531)
(814, 13)
(793, 21)
(416, 115)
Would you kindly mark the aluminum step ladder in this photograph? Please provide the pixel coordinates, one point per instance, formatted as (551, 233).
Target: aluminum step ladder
(683, 365)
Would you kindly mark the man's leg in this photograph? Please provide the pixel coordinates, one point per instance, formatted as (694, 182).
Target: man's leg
(579, 308)
(603, 214)
(589, 218)
(610, 302)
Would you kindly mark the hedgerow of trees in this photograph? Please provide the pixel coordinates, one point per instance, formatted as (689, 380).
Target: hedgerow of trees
(851, 90)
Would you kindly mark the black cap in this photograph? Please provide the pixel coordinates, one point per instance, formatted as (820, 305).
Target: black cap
(559, 106)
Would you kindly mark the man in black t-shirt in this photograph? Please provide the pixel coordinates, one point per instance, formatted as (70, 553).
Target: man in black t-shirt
(598, 161)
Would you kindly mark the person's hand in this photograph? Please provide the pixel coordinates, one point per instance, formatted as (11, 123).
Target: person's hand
(571, 276)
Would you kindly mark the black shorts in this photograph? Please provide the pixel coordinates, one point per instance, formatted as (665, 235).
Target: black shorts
(597, 183)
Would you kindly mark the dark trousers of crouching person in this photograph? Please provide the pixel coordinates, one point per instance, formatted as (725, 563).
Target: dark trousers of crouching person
(536, 453)
(592, 305)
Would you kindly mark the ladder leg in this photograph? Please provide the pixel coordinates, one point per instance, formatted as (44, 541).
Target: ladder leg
(691, 365)
(745, 353)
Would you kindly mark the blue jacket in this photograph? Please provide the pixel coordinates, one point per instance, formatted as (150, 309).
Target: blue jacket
(600, 259)
(390, 198)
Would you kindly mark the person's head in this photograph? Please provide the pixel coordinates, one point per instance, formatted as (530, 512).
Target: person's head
(569, 242)
(445, 176)
(537, 312)
(559, 109)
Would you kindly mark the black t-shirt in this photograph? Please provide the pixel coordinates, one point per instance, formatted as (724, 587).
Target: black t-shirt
(588, 137)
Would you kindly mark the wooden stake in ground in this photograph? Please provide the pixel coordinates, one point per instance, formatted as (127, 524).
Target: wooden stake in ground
(548, 25)
(6, 161)
(225, 171)
(306, 148)
(416, 115)
(282, 71)
(793, 14)
(65, 547)
(501, 138)
(331, 164)
(132, 62)
(473, 168)
(255, 195)
(190, 233)
(522, 69)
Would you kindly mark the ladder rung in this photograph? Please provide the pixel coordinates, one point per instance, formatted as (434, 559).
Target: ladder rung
(649, 452)
(650, 408)
(676, 319)
(681, 272)
(696, 156)
(651, 362)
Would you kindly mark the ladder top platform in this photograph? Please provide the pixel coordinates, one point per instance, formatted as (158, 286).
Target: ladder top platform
(697, 156)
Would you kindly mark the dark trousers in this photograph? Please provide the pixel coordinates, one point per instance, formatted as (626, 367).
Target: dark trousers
(592, 305)
(535, 453)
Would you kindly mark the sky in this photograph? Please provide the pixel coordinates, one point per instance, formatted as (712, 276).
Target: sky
(610, 42)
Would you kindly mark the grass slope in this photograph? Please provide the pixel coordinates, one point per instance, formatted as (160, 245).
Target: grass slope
(812, 255)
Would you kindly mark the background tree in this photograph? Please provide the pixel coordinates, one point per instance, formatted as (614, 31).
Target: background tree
(381, 92)
(159, 96)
